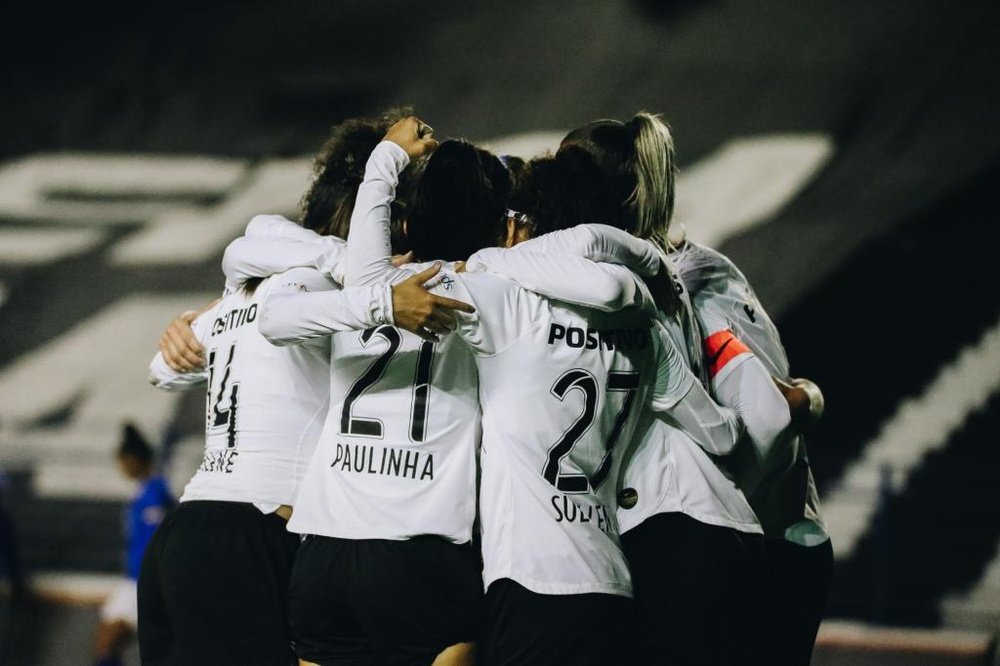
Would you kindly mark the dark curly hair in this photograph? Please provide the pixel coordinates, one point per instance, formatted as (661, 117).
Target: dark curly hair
(339, 169)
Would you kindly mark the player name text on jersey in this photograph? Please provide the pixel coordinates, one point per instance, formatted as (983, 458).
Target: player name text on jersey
(611, 338)
(234, 319)
(366, 459)
(567, 510)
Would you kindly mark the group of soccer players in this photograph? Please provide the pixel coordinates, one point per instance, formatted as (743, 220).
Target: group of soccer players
(509, 420)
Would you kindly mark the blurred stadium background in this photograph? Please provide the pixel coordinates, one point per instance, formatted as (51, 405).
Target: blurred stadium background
(846, 155)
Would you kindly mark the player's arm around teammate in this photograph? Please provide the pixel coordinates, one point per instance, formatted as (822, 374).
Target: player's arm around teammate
(738, 378)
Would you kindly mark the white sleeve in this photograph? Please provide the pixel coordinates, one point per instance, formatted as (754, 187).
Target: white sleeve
(248, 257)
(601, 243)
(504, 311)
(681, 400)
(276, 226)
(165, 378)
(749, 390)
(294, 311)
(563, 277)
(369, 250)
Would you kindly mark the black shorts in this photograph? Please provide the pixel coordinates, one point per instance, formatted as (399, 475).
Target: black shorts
(376, 601)
(213, 587)
(698, 590)
(798, 581)
(525, 628)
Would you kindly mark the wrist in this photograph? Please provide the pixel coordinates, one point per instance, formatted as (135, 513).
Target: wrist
(817, 403)
(386, 292)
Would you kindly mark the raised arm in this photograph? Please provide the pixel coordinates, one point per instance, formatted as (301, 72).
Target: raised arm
(369, 251)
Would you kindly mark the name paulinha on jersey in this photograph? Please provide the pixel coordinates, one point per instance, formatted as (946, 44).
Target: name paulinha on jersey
(218, 460)
(590, 338)
(387, 461)
(568, 511)
(234, 319)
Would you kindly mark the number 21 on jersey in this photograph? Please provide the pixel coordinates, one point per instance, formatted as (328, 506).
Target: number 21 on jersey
(353, 424)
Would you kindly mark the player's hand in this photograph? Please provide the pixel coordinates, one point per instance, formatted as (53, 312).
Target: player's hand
(414, 136)
(400, 259)
(664, 291)
(805, 401)
(419, 311)
(179, 346)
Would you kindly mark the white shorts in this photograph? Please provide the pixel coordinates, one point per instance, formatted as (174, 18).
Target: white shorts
(122, 604)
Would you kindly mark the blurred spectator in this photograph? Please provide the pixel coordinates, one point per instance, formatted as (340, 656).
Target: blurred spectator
(119, 614)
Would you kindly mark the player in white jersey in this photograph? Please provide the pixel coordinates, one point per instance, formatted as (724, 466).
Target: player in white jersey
(213, 583)
(557, 578)
(673, 492)
(227, 545)
(387, 573)
(799, 552)
(675, 471)
(638, 157)
(555, 573)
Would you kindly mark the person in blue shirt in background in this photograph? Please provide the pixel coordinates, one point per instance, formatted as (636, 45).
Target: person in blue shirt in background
(152, 501)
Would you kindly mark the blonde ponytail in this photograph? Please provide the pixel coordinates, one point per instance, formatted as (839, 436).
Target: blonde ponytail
(656, 171)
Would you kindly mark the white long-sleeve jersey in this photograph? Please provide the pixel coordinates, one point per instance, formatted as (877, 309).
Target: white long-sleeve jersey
(397, 456)
(787, 503)
(264, 405)
(273, 244)
(561, 389)
(668, 469)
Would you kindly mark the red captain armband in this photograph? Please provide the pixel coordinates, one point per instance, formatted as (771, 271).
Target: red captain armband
(720, 349)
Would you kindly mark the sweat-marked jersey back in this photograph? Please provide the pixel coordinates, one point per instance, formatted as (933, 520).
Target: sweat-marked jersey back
(264, 405)
(560, 389)
(397, 456)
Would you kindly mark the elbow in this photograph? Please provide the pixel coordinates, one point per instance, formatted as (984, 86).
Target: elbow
(728, 434)
(611, 296)
(154, 381)
(258, 225)
(767, 430)
(230, 259)
(269, 328)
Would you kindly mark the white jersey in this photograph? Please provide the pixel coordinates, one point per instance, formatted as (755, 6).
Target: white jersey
(724, 301)
(397, 455)
(666, 468)
(264, 405)
(670, 472)
(560, 388)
